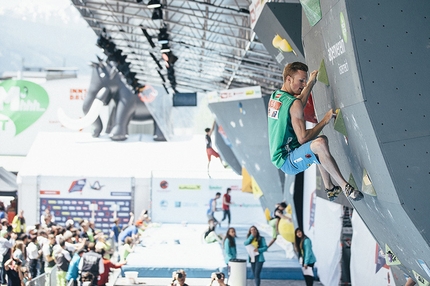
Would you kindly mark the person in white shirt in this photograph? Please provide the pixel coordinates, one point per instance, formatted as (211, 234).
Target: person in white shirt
(6, 243)
(33, 254)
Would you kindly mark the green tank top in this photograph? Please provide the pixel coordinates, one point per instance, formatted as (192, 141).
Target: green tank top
(282, 138)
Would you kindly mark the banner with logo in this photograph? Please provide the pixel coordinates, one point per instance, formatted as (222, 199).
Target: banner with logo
(178, 200)
(97, 198)
(368, 265)
(235, 94)
(322, 224)
(27, 108)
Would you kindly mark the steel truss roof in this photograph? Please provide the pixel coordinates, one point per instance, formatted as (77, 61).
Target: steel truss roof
(212, 39)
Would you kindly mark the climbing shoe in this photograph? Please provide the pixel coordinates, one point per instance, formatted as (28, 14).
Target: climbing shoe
(353, 194)
(333, 193)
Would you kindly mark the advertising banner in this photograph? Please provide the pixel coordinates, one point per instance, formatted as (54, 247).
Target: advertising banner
(87, 198)
(27, 108)
(368, 265)
(235, 94)
(178, 200)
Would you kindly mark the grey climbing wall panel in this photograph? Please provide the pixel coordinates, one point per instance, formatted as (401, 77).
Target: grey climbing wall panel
(281, 19)
(224, 148)
(245, 123)
(377, 56)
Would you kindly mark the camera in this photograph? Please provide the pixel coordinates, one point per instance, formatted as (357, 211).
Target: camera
(217, 275)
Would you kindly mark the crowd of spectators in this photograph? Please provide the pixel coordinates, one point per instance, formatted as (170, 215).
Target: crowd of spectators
(80, 254)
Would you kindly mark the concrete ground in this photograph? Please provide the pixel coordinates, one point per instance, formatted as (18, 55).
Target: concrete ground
(206, 282)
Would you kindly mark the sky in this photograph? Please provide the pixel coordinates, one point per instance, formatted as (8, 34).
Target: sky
(45, 33)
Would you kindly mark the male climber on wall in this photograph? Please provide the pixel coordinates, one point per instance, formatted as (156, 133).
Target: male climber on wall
(293, 148)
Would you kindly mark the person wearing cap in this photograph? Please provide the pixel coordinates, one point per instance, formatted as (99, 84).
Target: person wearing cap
(70, 223)
(73, 271)
(6, 243)
(70, 246)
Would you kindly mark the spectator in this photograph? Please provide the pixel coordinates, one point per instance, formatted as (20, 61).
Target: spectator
(73, 271)
(212, 208)
(277, 215)
(219, 278)
(86, 231)
(33, 254)
(42, 239)
(179, 278)
(25, 275)
(2, 211)
(18, 252)
(48, 223)
(130, 231)
(92, 262)
(13, 272)
(87, 279)
(4, 224)
(18, 223)
(226, 202)
(70, 245)
(104, 276)
(101, 243)
(230, 245)
(114, 233)
(7, 240)
(303, 248)
(46, 213)
(259, 244)
(48, 254)
(62, 259)
(210, 235)
(126, 249)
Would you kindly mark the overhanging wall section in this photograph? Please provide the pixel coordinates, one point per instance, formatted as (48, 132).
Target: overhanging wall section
(376, 58)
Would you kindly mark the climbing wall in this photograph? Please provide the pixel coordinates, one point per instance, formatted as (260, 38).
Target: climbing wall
(223, 144)
(284, 44)
(245, 124)
(373, 58)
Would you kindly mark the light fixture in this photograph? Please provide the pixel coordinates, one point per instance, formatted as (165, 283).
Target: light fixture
(165, 48)
(152, 4)
(157, 14)
(163, 36)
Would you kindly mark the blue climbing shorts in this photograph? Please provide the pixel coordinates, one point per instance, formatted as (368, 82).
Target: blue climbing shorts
(299, 160)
